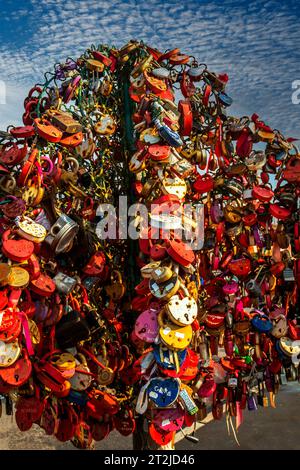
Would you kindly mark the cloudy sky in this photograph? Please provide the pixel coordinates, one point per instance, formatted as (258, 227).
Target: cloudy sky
(256, 42)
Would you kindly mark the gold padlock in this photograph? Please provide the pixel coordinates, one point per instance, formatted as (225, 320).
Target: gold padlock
(94, 65)
(105, 125)
(117, 289)
(64, 121)
(18, 277)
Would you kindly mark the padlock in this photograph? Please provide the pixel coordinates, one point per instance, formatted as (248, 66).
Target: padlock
(62, 234)
(173, 336)
(64, 121)
(116, 290)
(64, 284)
(182, 311)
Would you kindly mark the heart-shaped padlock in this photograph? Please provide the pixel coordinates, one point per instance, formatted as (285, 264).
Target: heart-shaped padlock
(169, 420)
(146, 326)
(160, 437)
(165, 290)
(174, 336)
(43, 285)
(163, 392)
(82, 378)
(17, 250)
(18, 373)
(182, 311)
(289, 347)
(9, 353)
(164, 357)
(261, 323)
(180, 252)
(174, 185)
(30, 230)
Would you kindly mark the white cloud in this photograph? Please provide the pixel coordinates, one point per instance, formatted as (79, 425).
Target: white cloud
(256, 44)
(11, 112)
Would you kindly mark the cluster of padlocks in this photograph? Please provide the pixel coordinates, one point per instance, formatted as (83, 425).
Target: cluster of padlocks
(201, 311)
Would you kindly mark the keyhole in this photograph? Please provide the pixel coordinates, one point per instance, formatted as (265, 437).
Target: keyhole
(186, 317)
(17, 377)
(143, 330)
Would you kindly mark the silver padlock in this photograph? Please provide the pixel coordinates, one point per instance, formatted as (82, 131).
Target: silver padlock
(64, 284)
(62, 234)
(253, 287)
(288, 275)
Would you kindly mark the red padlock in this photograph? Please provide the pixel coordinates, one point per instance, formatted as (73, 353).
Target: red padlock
(16, 250)
(204, 184)
(47, 131)
(13, 155)
(43, 285)
(186, 117)
(181, 252)
(19, 372)
(23, 132)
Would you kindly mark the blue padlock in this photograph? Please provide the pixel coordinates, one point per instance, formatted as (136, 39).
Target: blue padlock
(79, 398)
(171, 137)
(163, 392)
(225, 99)
(165, 361)
(262, 323)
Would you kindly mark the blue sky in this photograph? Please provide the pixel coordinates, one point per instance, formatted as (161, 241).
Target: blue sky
(256, 42)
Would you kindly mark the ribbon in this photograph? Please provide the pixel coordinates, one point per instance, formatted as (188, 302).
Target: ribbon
(239, 415)
(26, 333)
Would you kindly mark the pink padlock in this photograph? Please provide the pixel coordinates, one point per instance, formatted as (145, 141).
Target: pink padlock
(207, 388)
(230, 288)
(146, 326)
(169, 419)
(276, 312)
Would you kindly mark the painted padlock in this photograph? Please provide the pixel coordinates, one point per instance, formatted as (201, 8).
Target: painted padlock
(146, 326)
(164, 358)
(163, 392)
(174, 336)
(62, 234)
(18, 373)
(261, 322)
(280, 326)
(289, 347)
(182, 311)
(169, 420)
(165, 290)
(82, 378)
(181, 252)
(30, 230)
(17, 250)
(64, 283)
(9, 353)
(10, 328)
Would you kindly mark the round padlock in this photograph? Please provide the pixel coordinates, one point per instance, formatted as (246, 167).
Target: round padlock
(9, 353)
